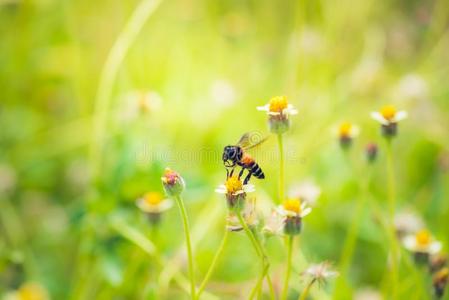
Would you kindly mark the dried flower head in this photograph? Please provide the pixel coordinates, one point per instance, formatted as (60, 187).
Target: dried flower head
(278, 110)
(274, 224)
(439, 281)
(388, 117)
(235, 192)
(320, 272)
(153, 204)
(249, 215)
(437, 262)
(173, 183)
(407, 222)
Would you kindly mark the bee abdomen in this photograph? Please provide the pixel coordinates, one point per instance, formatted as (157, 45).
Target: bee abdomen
(257, 171)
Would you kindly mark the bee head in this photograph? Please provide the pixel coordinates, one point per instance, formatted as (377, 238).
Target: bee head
(229, 155)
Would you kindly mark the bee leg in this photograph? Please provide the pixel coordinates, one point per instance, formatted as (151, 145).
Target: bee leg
(232, 172)
(227, 173)
(247, 178)
(241, 172)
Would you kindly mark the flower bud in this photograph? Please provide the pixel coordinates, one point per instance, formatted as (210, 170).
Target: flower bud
(173, 183)
(371, 151)
(439, 281)
(278, 124)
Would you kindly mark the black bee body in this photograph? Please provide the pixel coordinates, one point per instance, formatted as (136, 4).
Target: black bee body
(234, 155)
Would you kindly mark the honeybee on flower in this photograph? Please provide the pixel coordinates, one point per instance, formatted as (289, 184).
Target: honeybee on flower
(153, 204)
(293, 211)
(278, 110)
(235, 192)
(389, 117)
(422, 244)
(346, 132)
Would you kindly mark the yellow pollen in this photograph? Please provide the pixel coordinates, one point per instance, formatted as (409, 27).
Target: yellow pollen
(233, 184)
(388, 112)
(345, 129)
(278, 104)
(293, 205)
(153, 198)
(423, 238)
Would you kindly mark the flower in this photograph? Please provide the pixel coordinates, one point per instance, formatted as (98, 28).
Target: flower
(293, 211)
(320, 272)
(307, 191)
(422, 245)
(346, 132)
(173, 183)
(274, 224)
(235, 192)
(388, 117)
(371, 151)
(153, 204)
(249, 215)
(439, 281)
(278, 110)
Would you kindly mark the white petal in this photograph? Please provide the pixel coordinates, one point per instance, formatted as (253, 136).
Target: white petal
(435, 247)
(379, 118)
(239, 192)
(249, 188)
(410, 242)
(274, 113)
(221, 189)
(400, 115)
(306, 211)
(266, 107)
(355, 131)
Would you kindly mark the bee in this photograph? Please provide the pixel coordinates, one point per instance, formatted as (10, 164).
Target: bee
(235, 155)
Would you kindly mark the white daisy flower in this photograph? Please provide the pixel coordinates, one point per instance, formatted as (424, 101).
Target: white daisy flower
(278, 106)
(422, 242)
(346, 130)
(294, 208)
(389, 115)
(153, 203)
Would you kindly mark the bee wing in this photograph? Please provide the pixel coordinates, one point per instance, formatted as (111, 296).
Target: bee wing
(251, 140)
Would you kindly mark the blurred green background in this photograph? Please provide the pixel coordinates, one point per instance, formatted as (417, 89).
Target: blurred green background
(77, 147)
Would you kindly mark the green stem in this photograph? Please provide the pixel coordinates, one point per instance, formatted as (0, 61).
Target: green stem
(185, 221)
(281, 169)
(306, 290)
(289, 267)
(392, 231)
(213, 264)
(261, 253)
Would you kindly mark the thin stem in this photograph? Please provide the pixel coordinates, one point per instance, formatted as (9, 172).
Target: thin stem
(306, 290)
(392, 206)
(213, 264)
(281, 169)
(289, 267)
(185, 221)
(261, 253)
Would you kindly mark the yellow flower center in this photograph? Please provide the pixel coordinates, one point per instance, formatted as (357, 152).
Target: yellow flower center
(278, 104)
(345, 129)
(233, 184)
(423, 238)
(293, 205)
(153, 198)
(32, 291)
(388, 112)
